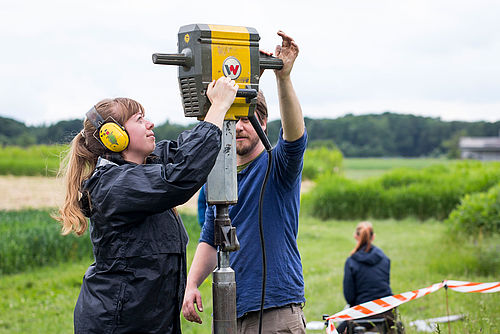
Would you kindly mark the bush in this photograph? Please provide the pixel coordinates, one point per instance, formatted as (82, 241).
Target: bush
(465, 257)
(478, 214)
(432, 192)
(42, 160)
(321, 160)
(341, 198)
(31, 238)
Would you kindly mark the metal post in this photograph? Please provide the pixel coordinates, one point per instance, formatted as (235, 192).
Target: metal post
(224, 296)
(221, 192)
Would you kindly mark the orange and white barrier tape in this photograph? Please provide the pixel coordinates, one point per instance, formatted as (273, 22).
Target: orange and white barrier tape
(381, 305)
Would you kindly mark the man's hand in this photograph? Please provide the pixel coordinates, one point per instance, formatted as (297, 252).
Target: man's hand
(192, 296)
(288, 52)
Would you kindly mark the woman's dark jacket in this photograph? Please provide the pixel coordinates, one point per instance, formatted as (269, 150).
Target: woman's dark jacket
(367, 276)
(137, 282)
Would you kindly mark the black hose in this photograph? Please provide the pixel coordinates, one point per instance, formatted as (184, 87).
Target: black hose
(262, 244)
(267, 145)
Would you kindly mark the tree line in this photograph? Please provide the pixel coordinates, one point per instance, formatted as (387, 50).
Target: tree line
(373, 135)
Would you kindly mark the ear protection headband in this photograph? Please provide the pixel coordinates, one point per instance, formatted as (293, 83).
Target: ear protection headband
(112, 135)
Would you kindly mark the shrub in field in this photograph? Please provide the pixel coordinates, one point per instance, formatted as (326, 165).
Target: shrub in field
(465, 257)
(478, 214)
(421, 200)
(31, 238)
(41, 160)
(321, 160)
(432, 192)
(341, 198)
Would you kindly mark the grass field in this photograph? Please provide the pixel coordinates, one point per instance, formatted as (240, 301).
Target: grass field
(42, 300)
(42, 160)
(359, 168)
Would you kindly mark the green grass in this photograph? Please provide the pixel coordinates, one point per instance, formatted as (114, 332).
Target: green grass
(361, 168)
(40, 160)
(42, 300)
(31, 238)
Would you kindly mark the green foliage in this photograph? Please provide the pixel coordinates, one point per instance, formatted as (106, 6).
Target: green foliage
(431, 192)
(43, 160)
(62, 132)
(386, 164)
(327, 143)
(452, 145)
(32, 238)
(170, 131)
(374, 135)
(478, 214)
(467, 257)
(391, 134)
(13, 132)
(321, 160)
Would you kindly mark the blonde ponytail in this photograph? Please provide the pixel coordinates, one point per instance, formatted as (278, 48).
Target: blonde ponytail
(76, 167)
(364, 231)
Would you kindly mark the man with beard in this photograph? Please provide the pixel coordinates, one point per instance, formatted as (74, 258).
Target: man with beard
(285, 284)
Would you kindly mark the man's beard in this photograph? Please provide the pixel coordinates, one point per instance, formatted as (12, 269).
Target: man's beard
(247, 147)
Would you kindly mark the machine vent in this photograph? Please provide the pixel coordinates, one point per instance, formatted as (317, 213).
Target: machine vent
(189, 95)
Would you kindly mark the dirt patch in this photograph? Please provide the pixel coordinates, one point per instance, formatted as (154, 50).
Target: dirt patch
(23, 192)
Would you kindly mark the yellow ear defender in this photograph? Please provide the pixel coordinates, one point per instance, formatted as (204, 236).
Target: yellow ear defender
(112, 135)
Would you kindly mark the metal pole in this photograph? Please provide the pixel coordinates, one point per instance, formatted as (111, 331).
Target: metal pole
(447, 308)
(224, 296)
(221, 192)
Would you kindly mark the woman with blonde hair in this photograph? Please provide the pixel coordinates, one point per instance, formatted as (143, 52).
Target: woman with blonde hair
(137, 282)
(367, 273)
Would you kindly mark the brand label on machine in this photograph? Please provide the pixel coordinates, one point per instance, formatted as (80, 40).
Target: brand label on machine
(231, 68)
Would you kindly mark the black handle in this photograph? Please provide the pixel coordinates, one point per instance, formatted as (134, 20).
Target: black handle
(170, 59)
(185, 58)
(269, 62)
(248, 93)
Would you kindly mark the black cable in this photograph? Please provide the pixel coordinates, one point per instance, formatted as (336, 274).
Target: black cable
(267, 145)
(262, 243)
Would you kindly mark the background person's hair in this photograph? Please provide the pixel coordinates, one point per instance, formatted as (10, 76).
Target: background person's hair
(81, 160)
(261, 109)
(364, 231)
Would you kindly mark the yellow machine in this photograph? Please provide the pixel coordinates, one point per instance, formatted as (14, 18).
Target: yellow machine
(208, 52)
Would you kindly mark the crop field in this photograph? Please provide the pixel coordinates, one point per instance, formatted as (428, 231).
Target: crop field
(361, 168)
(39, 290)
(42, 160)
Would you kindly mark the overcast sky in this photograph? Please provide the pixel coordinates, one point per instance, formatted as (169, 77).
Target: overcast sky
(438, 58)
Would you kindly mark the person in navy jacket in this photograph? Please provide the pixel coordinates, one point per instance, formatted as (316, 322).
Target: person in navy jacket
(366, 272)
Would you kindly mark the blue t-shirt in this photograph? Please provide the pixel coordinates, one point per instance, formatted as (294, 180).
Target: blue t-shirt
(285, 283)
(202, 206)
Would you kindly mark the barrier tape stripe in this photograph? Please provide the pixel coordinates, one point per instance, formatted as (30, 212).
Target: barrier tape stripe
(363, 310)
(381, 305)
(478, 287)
